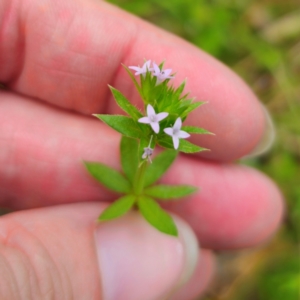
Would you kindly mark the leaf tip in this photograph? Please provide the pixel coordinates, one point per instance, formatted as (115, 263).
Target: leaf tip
(209, 133)
(175, 233)
(87, 163)
(194, 189)
(101, 219)
(204, 149)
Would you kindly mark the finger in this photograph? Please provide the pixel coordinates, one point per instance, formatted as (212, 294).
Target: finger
(42, 150)
(200, 280)
(236, 206)
(65, 60)
(61, 253)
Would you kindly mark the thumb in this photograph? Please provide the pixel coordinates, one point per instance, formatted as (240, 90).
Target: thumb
(62, 253)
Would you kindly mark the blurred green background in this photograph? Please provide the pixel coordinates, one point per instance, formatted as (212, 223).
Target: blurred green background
(260, 40)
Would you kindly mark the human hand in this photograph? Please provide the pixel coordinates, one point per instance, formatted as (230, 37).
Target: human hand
(56, 59)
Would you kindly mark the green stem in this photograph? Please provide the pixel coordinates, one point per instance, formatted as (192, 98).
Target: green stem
(138, 183)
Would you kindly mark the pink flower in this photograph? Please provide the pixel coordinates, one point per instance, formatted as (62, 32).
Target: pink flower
(152, 118)
(143, 70)
(176, 133)
(161, 74)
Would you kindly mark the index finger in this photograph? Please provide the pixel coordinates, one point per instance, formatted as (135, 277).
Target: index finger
(66, 52)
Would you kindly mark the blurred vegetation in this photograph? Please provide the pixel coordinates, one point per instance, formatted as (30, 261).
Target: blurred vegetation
(259, 39)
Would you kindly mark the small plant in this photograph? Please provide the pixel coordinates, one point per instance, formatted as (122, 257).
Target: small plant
(165, 109)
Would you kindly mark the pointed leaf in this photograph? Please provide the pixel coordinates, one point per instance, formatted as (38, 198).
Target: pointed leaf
(125, 104)
(133, 79)
(197, 130)
(187, 147)
(109, 177)
(156, 216)
(192, 107)
(180, 89)
(122, 124)
(118, 208)
(185, 103)
(184, 145)
(159, 166)
(168, 192)
(129, 156)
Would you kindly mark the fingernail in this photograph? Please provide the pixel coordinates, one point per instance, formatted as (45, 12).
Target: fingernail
(191, 250)
(138, 262)
(268, 137)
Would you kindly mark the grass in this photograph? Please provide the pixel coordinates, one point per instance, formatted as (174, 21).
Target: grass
(259, 40)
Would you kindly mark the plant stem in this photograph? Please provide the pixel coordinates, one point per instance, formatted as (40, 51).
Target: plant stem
(139, 178)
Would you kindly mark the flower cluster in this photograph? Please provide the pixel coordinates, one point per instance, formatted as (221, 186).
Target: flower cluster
(153, 119)
(165, 110)
(161, 75)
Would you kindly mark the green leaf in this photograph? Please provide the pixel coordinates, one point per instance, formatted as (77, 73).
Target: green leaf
(159, 166)
(197, 130)
(184, 146)
(122, 124)
(192, 107)
(129, 156)
(168, 192)
(166, 142)
(133, 79)
(180, 89)
(109, 177)
(156, 216)
(125, 104)
(187, 147)
(118, 208)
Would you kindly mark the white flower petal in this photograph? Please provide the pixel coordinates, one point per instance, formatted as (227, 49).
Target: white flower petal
(155, 126)
(156, 69)
(145, 120)
(147, 65)
(134, 68)
(158, 81)
(167, 72)
(143, 70)
(175, 142)
(177, 124)
(161, 116)
(169, 131)
(150, 110)
(183, 135)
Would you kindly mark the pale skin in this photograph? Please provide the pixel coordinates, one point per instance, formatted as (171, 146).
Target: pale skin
(56, 59)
